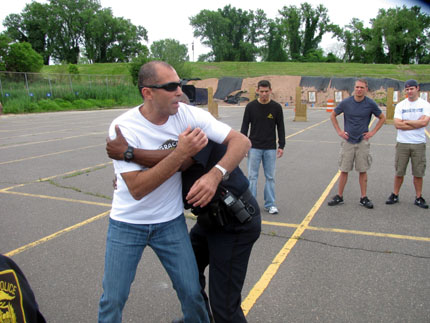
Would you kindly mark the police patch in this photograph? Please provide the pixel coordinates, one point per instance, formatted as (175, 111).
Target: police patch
(11, 306)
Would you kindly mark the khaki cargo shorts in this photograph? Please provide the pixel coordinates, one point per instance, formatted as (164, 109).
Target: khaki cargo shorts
(415, 152)
(358, 154)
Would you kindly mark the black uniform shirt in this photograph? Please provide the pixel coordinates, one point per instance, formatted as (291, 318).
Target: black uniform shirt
(207, 158)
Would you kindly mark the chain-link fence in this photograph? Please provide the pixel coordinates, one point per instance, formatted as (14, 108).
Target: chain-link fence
(25, 88)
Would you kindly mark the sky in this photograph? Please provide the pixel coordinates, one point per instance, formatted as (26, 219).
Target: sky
(170, 18)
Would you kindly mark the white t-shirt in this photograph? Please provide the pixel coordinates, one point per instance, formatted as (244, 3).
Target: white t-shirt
(407, 110)
(165, 202)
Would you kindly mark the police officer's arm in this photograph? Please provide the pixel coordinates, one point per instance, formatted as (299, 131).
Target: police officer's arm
(141, 183)
(115, 149)
(340, 132)
(203, 190)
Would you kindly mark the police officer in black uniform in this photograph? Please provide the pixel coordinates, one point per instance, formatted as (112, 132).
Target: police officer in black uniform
(224, 234)
(17, 298)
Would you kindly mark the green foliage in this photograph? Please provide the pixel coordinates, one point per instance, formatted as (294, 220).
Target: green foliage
(60, 29)
(4, 47)
(404, 32)
(73, 69)
(174, 53)
(22, 58)
(303, 29)
(231, 33)
(135, 66)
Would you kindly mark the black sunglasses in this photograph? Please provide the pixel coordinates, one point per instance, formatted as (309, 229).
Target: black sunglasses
(170, 87)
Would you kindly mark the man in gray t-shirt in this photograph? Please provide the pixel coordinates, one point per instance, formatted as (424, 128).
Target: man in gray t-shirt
(355, 148)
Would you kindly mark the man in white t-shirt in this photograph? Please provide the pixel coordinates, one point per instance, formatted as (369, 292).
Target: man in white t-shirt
(147, 207)
(411, 116)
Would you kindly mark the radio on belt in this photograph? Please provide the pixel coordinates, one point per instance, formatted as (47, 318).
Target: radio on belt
(236, 206)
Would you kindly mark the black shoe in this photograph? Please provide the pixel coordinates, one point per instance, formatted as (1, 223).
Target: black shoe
(421, 202)
(366, 202)
(393, 199)
(336, 200)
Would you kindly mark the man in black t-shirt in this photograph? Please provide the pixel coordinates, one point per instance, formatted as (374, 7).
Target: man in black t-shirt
(265, 117)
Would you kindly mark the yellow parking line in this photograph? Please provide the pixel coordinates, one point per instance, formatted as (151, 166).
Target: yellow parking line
(56, 234)
(54, 176)
(56, 198)
(51, 140)
(51, 154)
(303, 130)
(271, 271)
(356, 232)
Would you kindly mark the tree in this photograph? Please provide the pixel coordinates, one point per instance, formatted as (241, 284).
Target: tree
(304, 28)
(355, 37)
(68, 19)
(22, 58)
(403, 33)
(231, 33)
(62, 28)
(275, 52)
(32, 27)
(4, 47)
(110, 39)
(135, 65)
(174, 53)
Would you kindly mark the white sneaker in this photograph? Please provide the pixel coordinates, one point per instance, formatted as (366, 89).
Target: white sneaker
(273, 210)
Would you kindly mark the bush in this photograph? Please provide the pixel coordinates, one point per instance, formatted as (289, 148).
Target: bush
(48, 105)
(82, 104)
(22, 58)
(135, 66)
(64, 104)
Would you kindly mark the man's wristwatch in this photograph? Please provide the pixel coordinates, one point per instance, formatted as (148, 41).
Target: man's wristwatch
(225, 174)
(129, 154)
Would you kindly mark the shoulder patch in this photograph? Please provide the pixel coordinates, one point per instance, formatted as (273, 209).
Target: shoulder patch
(11, 305)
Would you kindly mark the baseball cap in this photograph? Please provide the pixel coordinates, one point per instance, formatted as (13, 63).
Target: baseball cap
(410, 83)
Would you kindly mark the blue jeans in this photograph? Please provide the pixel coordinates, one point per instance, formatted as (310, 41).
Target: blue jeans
(170, 241)
(268, 157)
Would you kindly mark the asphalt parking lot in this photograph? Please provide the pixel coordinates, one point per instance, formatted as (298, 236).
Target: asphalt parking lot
(312, 262)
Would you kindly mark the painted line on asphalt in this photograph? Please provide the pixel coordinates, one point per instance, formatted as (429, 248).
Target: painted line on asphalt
(55, 176)
(273, 268)
(303, 130)
(51, 154)
(55, 235)
(353, 232)
(57, 198)
(52, 140)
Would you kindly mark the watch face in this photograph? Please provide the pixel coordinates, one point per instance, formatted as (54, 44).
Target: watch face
(128, 154)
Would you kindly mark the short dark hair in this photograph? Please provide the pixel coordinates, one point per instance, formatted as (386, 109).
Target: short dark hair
(264, 83)
(148, 74)
(362, 81)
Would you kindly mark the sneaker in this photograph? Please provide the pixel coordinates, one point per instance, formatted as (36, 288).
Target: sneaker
(336, 200)
(272, 210)
(366, 202)
(421, 202)
(393, 199)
